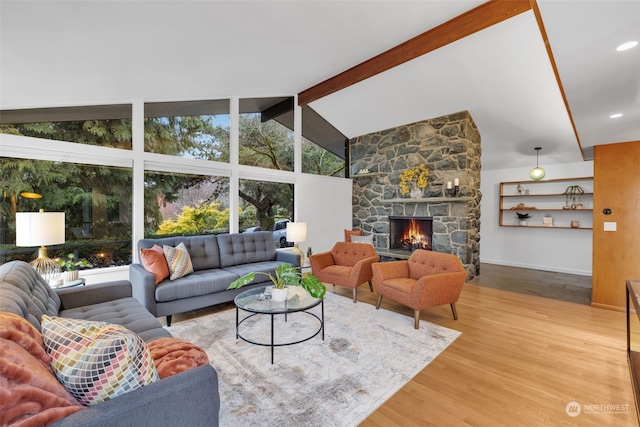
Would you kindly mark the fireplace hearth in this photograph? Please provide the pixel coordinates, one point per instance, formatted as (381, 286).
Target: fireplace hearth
(410, 233)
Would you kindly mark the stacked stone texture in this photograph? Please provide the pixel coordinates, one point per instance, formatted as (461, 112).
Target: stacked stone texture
(450, 148)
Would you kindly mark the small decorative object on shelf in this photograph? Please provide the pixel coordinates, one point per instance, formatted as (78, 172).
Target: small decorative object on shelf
(413, 181)
(453, 189)
(522, 217)
(574, 224)
(547, 220)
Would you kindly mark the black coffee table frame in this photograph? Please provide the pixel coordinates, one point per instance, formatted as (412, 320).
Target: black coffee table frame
(272, 309)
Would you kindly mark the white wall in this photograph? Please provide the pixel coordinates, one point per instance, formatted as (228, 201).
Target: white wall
(560, 250)
(324, 203)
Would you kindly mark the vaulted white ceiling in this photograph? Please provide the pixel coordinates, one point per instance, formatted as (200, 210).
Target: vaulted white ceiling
(61, 53)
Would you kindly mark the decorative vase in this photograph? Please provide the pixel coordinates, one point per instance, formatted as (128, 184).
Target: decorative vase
(415, 193)
(70, 276)
(279, 295)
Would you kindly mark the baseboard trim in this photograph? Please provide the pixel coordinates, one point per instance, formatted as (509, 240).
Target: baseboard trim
(536, 267)
(607, 306)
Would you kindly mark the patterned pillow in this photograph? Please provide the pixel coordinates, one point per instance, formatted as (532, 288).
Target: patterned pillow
(179, 261)
(97, 361)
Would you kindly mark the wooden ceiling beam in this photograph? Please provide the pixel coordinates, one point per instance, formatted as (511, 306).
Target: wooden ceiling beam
(477, 19)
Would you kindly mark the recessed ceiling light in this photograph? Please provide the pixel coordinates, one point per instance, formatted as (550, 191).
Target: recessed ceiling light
(615, 116)
(627, 46)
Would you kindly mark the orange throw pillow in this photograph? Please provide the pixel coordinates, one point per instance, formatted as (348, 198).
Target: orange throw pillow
(349, 233)
(155, 263)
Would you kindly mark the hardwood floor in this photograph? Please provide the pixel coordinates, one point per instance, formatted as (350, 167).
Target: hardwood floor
(521, 359)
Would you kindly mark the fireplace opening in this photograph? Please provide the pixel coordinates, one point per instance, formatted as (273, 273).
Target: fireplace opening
(408, 233)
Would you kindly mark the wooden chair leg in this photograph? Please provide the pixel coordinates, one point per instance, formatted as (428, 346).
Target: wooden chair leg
(379, 302)
(416, 318)
(355, 294)
(453, 309)
(370, 286)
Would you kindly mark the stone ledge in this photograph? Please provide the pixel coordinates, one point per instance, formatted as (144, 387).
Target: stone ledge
(429, 200)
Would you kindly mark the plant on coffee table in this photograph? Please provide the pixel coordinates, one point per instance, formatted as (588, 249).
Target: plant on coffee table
(286, 275)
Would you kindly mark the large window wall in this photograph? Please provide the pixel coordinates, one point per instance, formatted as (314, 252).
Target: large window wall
(188, 162)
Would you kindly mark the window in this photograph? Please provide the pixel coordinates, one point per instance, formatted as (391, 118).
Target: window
(264, 203)
(96, 201)
(104, 125)
(194, 129)
(323, 146)
(264, 141)
(181, 204)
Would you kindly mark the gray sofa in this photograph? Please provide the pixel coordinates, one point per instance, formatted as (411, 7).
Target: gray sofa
(217, 261)
(188, 398)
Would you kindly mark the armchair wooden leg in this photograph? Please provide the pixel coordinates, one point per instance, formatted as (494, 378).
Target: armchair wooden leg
(355, 294)
(379, 302)
(370, 286)
(416, 318)
(453, 309)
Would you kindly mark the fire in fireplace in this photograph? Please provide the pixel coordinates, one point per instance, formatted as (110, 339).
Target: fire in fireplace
(410, 233)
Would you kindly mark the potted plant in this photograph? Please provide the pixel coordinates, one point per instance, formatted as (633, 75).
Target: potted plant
(70, 265)
(285, 275)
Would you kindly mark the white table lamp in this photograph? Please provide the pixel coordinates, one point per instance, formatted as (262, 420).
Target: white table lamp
(41, 229)
(296, 233)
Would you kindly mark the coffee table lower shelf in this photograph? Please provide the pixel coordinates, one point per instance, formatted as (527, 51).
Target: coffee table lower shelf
(272, 344)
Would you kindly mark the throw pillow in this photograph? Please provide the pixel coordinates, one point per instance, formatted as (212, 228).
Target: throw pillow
(30, 395)
(349, 233)
(97, 361)
(363, 239)
(179, 261)
(155, 262)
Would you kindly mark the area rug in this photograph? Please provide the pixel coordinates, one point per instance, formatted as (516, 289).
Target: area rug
(367, 356)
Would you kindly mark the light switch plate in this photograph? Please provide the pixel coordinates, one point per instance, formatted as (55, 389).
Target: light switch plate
(610, 226)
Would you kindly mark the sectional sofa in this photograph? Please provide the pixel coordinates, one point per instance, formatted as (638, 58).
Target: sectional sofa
(28, 394)
(217, 261)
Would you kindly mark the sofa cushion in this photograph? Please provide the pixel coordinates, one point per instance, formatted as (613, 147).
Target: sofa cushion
(127, 312)
(25, 293)
(155, 262)
(97, 361)
(178, 260)
(198, 283)
(246, 248)
(203, 249)
(268, 267)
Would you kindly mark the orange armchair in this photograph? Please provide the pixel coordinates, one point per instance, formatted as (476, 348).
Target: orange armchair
(347, 264)
(426, 279)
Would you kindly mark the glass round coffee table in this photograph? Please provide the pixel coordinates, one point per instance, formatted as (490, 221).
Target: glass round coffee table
(258, 302)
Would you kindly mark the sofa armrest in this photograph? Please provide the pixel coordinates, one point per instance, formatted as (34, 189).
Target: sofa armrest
(94, 294)
(144, 287)
(288, 257)
(190, 398)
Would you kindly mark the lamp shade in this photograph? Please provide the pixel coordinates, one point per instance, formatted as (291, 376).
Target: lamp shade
(39, 228)
(296, 232)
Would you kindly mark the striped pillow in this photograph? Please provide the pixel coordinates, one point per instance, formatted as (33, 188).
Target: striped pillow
(97, 361)
(178, 260)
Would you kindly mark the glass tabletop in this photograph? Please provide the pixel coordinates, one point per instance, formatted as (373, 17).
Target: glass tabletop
(258, 300)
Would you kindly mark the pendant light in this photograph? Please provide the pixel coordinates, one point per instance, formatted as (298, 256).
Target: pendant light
(537, 173)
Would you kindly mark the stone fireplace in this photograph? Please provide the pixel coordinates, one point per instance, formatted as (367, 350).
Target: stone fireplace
(450, 148)
(408, 233)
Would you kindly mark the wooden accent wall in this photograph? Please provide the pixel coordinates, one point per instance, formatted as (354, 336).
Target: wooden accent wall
(616, 254)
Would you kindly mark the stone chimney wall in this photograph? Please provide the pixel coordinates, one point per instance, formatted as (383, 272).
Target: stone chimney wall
(450, 148)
